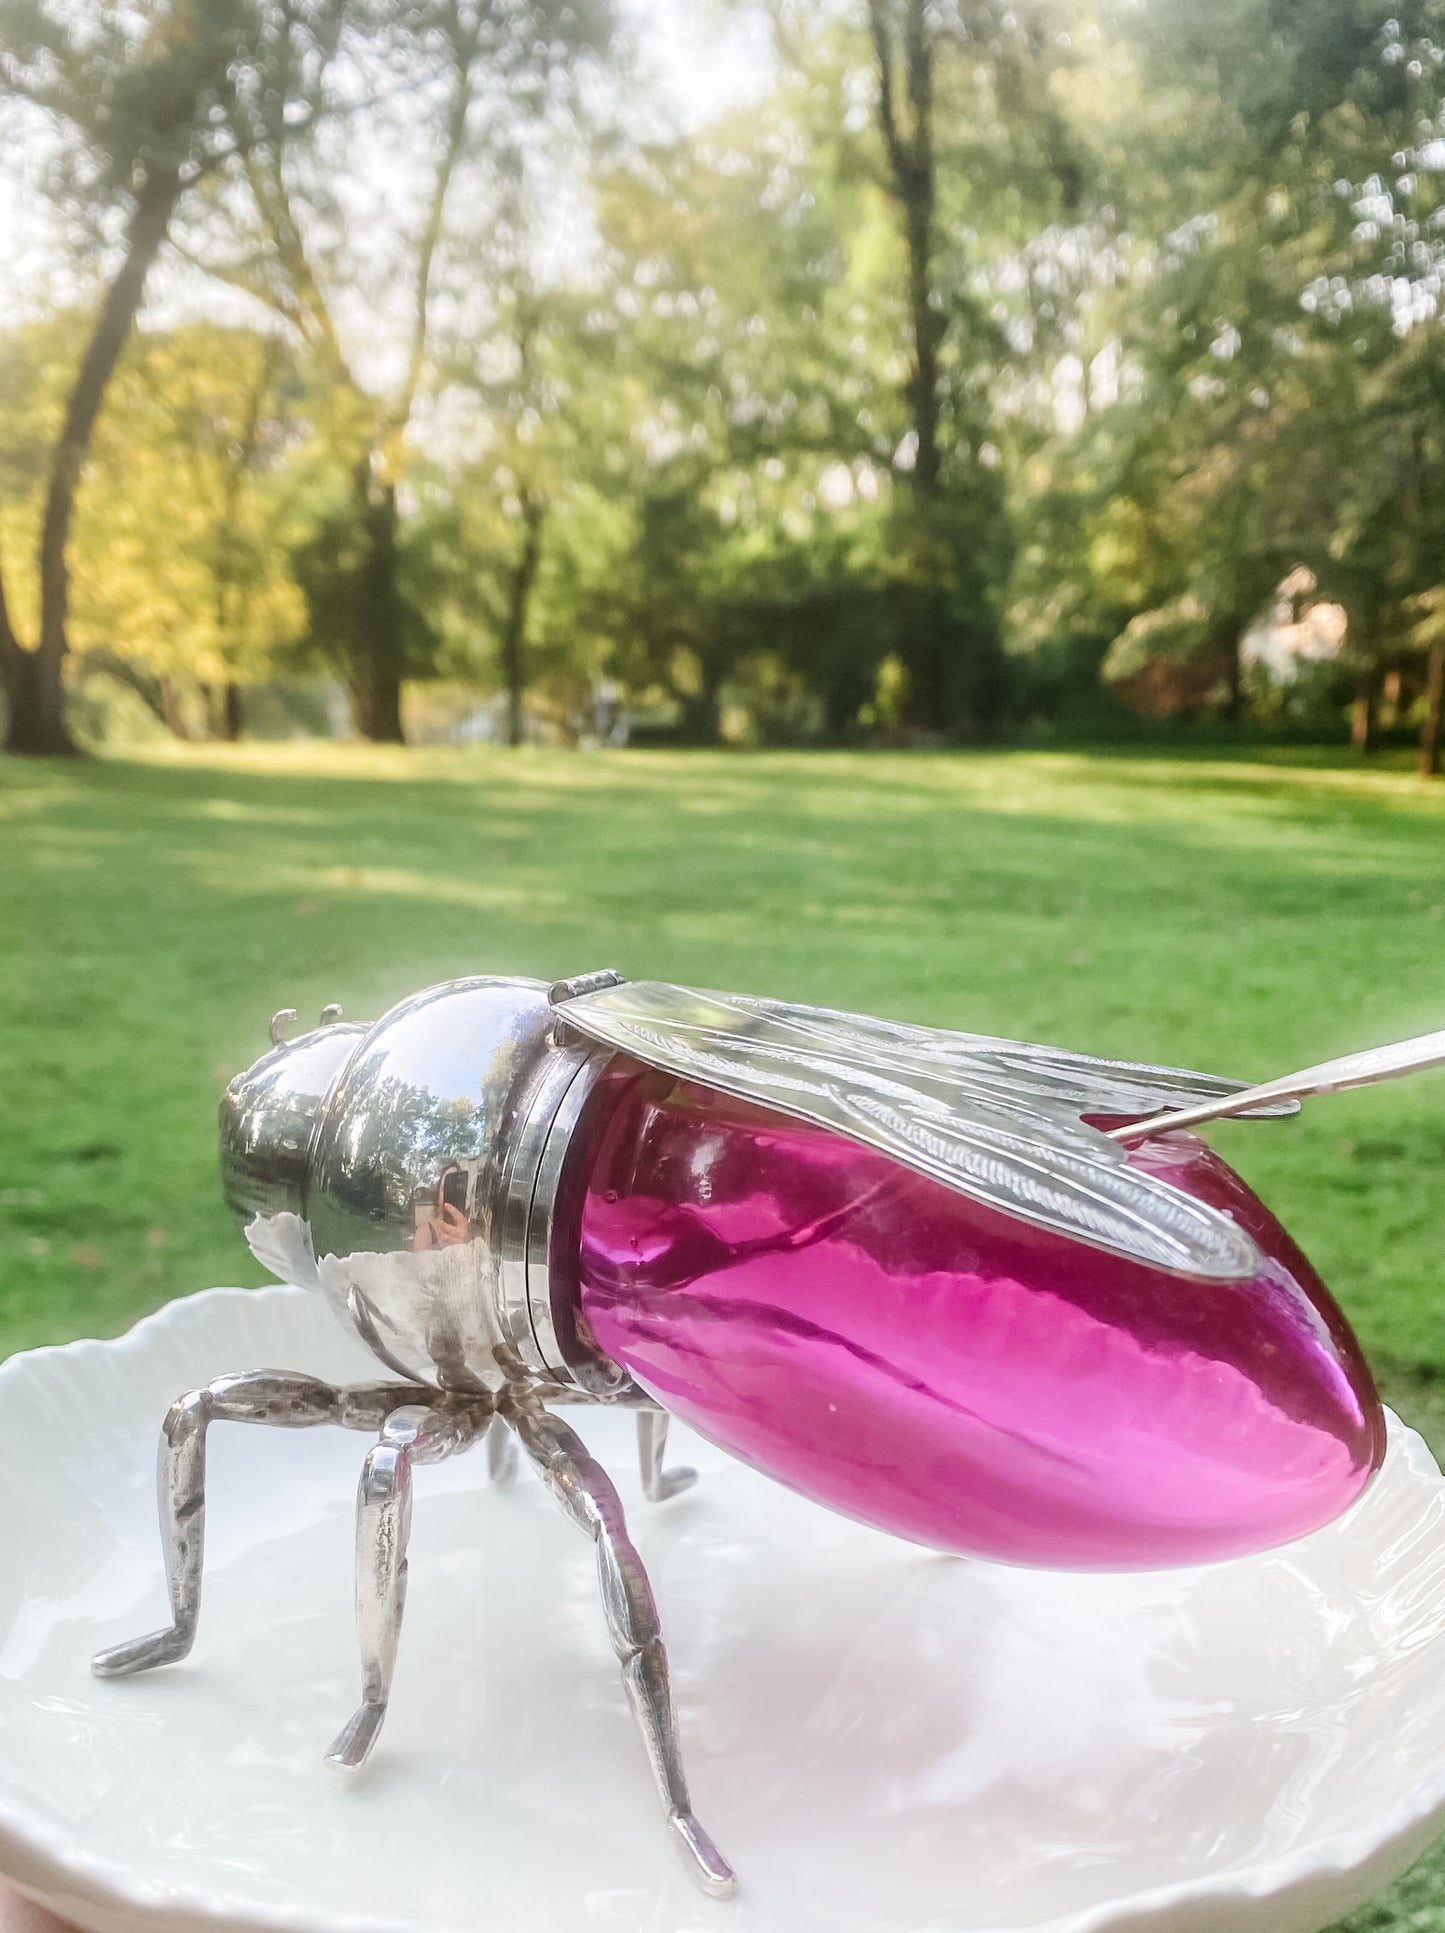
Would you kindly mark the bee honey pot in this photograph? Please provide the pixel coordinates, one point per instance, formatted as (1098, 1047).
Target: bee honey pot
(988, 1296)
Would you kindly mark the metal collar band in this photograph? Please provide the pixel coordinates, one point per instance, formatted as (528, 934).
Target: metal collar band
(533, 1311)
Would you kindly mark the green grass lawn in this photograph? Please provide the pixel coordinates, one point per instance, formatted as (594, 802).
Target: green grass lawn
(1242, 916)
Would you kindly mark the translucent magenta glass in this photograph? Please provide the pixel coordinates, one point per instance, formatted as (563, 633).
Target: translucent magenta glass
(890, 1349)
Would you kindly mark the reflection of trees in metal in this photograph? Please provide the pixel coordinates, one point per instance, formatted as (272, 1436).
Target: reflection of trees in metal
(396, 1157)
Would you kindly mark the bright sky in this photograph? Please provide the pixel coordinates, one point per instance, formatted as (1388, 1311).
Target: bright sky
(712, 56)
(708, 55)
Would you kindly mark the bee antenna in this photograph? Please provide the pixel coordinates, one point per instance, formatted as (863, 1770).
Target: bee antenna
(279, 1023)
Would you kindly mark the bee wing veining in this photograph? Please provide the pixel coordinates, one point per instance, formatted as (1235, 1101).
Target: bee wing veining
(996, 1120)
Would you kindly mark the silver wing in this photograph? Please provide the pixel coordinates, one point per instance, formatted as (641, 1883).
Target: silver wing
(996, 1120)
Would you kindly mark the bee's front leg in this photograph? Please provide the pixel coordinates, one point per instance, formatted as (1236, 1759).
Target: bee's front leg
(412, 1434)
(658, 1484)
(275, 1396)
(587, 1494)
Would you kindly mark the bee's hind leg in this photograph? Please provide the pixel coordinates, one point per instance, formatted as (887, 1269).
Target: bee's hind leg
(658, 1484)
(412, 1434)
(586, 1493)
(279, 1397)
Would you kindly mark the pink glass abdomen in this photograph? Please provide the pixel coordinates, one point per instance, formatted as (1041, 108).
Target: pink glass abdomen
(891, 1349)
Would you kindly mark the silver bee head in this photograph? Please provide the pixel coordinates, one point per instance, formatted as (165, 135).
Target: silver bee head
(411, 1170)
(269, 1116)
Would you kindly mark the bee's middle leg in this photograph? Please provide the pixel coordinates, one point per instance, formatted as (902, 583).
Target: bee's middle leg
(415, 1433)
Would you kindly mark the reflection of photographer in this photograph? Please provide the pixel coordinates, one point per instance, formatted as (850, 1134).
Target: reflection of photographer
(449, 1222)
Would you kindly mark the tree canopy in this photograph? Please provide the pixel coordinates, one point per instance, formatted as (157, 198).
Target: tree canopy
(987, 368)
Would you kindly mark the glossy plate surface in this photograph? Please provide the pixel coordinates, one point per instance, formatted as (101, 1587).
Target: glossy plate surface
(881, 1740)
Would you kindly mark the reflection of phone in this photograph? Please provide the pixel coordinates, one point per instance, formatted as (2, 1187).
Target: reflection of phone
(452, 1190)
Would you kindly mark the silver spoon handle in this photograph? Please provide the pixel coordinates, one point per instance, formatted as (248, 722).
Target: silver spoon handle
(1330, 1077)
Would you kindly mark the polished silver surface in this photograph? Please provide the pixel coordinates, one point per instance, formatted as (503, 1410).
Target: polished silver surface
(549, 1295)
(658, 1484)
(501, 1454)
(409, 1170)
(277, 1397)
(583, 983)
(1362, 1069)
(269, 1116)
(587, 1495)
(532, 1173)
(998, 1120)
(415, 1433)
(416, 1426)
(416, 1202)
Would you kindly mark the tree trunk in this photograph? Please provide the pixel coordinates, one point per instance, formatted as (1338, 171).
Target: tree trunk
(232, 720)
(1390, 697)
(927, 646)
(172, 711)
(1428, 765)
(376, 707)
(36, 691)
(927, 337)
(215, 708)
(1362, 716)
(912, 182)
(953, 659)
(35, 723)
(1231, 641)
(380, 646)
(15, 666)
(514, 636)
(36, 726)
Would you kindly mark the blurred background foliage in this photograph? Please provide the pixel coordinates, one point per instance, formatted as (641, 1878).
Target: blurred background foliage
(950, 371)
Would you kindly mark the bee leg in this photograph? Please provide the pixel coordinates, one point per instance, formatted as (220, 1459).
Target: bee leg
(414, 1434)
(586, 1493)
(657, 1485)
(501, 1453)
(257, 1396)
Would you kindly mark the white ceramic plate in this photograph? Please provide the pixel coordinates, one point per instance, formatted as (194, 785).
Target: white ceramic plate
(883, 1741)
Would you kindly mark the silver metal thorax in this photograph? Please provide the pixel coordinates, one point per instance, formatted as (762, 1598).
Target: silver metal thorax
(413, 1171)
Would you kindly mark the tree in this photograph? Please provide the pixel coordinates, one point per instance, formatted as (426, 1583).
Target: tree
(182, 585)
(178, 542)
(486, 70)
(145, 104)
(1280, 339)
(965, 110)
(136, 101)
(736, 413)
(511, 372)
